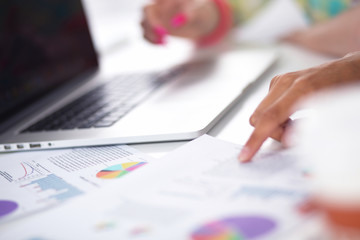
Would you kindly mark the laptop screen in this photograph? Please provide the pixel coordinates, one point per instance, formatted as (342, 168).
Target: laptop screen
(43, 45)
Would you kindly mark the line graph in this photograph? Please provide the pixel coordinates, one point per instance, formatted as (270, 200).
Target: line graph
(26, 172)
(29, 171)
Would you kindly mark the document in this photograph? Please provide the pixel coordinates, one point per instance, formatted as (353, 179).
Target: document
(34, 181)
(199, 191)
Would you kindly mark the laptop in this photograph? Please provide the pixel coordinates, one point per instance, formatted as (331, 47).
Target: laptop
(53, 96)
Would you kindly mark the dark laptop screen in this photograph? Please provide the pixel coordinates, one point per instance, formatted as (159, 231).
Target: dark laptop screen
(43, 44)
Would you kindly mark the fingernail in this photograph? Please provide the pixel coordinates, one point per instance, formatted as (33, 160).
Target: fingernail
(244, 155)
(160, 41)
(161, 33)
(179, 20)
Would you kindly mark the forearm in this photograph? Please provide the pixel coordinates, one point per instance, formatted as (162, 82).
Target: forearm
(352, 61)
(337, 37)
(272, 117)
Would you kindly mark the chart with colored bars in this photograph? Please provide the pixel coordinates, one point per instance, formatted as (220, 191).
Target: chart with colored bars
(235, 228)
(52, 187)
(119, 170)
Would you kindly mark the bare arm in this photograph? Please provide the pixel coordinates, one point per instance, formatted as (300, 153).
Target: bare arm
(336, 37)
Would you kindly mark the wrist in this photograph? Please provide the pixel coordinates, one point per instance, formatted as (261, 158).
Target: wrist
(347, 68)
(224, 24)
(210, 18)
(354, 58)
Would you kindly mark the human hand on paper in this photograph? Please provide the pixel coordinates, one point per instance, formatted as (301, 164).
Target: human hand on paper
(190, 19)
(271, 117)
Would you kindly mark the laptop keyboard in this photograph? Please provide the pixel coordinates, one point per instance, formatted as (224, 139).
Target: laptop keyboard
(101, 107)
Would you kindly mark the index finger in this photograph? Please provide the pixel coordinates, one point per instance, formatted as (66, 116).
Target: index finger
(268, 123)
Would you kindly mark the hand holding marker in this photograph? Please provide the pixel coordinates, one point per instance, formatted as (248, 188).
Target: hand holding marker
(203, 21)
(177, 21)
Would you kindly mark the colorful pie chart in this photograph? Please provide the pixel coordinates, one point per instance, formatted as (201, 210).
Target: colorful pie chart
(7, 207)
(235, 228)
(119, 170)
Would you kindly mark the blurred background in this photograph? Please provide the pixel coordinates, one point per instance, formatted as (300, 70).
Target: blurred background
(113, 22)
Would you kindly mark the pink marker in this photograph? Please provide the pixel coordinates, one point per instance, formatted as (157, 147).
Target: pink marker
(161, 33)
(179, 20)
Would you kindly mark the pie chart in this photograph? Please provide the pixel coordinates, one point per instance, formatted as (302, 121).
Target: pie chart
(235, 228)
(7, 207)
(119, 170)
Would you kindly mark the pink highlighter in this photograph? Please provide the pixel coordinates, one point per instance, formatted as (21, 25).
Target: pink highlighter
(177, 21)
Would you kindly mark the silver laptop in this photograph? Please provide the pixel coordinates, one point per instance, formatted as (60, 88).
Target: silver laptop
(52, 96)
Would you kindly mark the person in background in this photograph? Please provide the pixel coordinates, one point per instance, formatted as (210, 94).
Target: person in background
(333, 30)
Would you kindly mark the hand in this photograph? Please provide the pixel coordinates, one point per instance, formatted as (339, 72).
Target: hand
(271, 117)
(200, 17)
